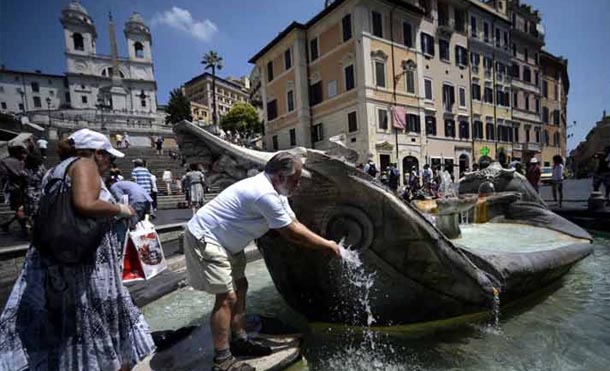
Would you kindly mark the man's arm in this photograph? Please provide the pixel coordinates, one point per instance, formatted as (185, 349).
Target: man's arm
(298, 233)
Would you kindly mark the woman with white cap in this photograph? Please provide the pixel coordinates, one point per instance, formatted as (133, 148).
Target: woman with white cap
(80, 316)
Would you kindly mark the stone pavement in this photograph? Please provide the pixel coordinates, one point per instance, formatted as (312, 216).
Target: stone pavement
(575, 192)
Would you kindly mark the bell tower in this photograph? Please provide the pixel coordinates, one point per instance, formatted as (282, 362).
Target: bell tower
(79, 31)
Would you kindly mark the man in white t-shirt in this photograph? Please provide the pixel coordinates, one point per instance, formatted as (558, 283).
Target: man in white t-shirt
(215, 239)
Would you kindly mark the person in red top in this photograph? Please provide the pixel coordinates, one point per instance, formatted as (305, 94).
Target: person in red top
(533, 173)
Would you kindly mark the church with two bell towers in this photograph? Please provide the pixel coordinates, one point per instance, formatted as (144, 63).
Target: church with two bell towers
(123, 84)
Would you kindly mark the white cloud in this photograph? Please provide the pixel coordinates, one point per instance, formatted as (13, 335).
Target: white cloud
(181, 19)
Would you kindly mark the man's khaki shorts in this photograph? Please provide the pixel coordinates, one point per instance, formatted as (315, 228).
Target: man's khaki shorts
(210, 267)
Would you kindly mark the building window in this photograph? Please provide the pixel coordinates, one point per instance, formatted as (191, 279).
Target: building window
(271, 110)
(3, 105)
(536, 78)
(448, 97)
(313, 49)
(377, 24)
(545, 89)
(516, 99)
(410, 81)
(537, 105)
(318, 133)
(443, 14)
(462, 96)
(488, 95)
(270, 71)
(556, 117)
(413, 125)
(350, 81)
(35, 87)
(526, 97)
(287, 59)
(476, 91)
(474, 32)
(506, 42)
(450, 128)
(498, 38)
(545, 115)
(464, 130)
(293, 137)
(430, 125)
(275, 145)
(556, 139)
(461, 56)
(315, 93)
(352, 122)
(486, 32)
(460, 20)
(79, 43)
(83, 99)
(516, 135)
(525, 54)
(346, 22)
(427, 44)
(380, 74)
(477, 130)
(487, 65)
(489, 131)
(546, 138)
(332, 88)
(143, 103)
(475, 59)
(407, 34)
(382, 119)
(443, 50)
(428, 89)
(290, 100)
(555, 92)
(138, 49)
(67, 95)
(537, 133)
(21, 107)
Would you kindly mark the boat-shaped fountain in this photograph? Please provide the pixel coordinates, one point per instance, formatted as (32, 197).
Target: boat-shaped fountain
(512, 244)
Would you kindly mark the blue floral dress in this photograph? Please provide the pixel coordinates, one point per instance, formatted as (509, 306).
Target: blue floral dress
(73, 317)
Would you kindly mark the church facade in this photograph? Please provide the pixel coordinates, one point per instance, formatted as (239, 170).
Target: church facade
(92, 82)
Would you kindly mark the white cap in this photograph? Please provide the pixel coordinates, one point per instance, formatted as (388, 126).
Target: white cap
(89, 139)
(534, 160)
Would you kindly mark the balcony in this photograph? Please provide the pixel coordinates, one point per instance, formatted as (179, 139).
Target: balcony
(532, 147)
(533, 35)
(445, 27)
(517, 147)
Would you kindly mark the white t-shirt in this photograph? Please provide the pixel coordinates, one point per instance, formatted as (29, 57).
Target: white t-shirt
(242, 213)
(154, 182)
(557, 173)
(167, 176)
(42, 144)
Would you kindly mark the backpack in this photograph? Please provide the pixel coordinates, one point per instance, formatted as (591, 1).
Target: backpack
(372, 170)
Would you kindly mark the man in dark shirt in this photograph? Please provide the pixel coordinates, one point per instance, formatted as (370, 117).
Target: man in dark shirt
(602, 173)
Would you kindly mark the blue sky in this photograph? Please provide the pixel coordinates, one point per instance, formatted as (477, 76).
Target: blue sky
(31, 38)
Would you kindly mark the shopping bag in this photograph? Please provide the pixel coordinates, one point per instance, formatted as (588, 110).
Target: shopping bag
(143, 255)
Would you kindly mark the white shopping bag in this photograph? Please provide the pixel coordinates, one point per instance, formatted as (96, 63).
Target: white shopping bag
(143, 255)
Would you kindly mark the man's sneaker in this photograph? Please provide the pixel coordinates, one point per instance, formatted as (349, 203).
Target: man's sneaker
(231, 364)
(246, 347)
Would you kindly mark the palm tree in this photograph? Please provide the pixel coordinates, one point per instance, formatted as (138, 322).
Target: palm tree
(211, 60)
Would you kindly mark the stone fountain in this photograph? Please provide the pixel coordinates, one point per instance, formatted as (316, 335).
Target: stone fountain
(423, 271)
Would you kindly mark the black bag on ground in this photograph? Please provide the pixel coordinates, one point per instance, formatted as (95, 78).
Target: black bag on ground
(59, 231)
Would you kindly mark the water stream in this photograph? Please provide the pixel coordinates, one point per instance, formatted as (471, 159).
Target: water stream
(564, 327)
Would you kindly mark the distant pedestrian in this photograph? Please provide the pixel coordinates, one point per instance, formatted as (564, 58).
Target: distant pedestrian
(13, 176)
(42, 146)
(154, 195)
(196, 181)
(427, 179)
(557, 179)
(142, 176)
(126, 140)
(393, 177)
(533, 173)
(159, 145)
(167, 178)
(371, 169)
(35, 171)
(602, 173)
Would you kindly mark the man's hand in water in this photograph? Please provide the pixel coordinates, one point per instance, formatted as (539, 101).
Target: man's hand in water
(334, 247)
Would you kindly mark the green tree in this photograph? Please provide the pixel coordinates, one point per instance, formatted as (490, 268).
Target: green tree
(178, 108)
(212, 60)
(242, 118)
